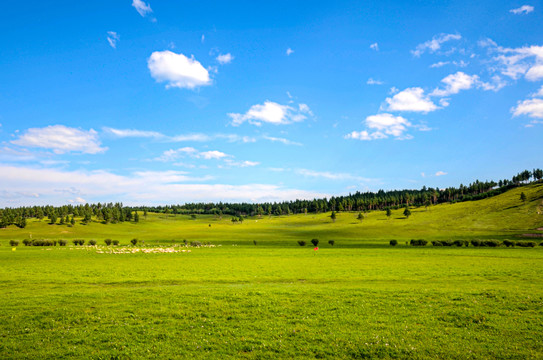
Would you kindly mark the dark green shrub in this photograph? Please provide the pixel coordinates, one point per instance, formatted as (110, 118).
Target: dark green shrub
(437, 243)
(254, 242)
(526, 243)
(27, 242)
(14, 243)
(115, 242)
(62, 243)
(134, 241)
(195, 243)
(78, 242)
(107, 241)
(476, 242)
(92, 242)
(509, 243)
(541, 243)
(419, 242)
(301, 242)
(458, 243)
(315, 242)
(42, 242)
(446, 243)
(490, 243)
(332, 242)
(393, 242)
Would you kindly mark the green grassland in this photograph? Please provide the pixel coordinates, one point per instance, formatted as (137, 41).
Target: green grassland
(358, 299)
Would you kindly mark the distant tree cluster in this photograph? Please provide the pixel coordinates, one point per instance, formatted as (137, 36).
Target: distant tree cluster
(67, 214)
(360, 202)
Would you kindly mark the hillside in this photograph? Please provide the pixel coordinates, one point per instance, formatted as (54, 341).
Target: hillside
(502, 216)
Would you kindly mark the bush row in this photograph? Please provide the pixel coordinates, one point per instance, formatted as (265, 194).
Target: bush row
(315, 242)
(474, 243)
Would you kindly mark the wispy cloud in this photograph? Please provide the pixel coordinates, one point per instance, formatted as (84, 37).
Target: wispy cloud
(441, 173)
(141, 7)
(331, 175)
(282, 140)
(524, 9)
(289, 51)
(371, 81)
(434, 44)
(61, 139)
(225, 58)
(374, 46)
(113, 38)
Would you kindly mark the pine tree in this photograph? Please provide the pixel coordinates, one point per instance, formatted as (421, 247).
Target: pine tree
(407, 212)
(333, 216)
(360, 217)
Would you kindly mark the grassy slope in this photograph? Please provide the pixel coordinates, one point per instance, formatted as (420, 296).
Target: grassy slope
(498, 217)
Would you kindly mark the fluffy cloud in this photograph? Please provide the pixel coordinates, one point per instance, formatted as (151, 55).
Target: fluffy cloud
(142, 8)
(454, 83)
(289, 51)
(31, 186)
(441, 173)
(61, 139)
(411, 99)
(225, 58)
(112, 38)
(524, 9)
(539, 93)
(177, 70)
(434, 44)
(374, 46)
(272, 113)
(531, 107)
(214, 154)
(383, 126)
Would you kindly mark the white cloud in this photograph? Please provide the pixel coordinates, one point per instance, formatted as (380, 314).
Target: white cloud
(112, 38)
(454, 83)
(138, 188)
(142, 8)
(524, 9)
(532, 108)
(411, 99)
(241, 164)
(434, 44)
(374, 82)
(535, 73)
(61, 139)
(128, 133)
(441, 173)
(289, 51)
(539, 93)
(271, 112)
(282, 140)
(190, 137)
(496, 84)
(374, 46)
(525, 61)
(440, 64)
(225, 58)
(214, 154)
(177, 70)
(203, 38)
(331, 176)
(383, 125)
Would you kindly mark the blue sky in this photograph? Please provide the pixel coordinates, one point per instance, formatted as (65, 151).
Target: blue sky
(162, 102)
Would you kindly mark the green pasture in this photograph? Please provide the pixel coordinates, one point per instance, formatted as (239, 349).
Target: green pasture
(360, 298)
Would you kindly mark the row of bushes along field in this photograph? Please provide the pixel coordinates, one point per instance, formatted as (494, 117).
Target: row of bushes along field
(474, 243)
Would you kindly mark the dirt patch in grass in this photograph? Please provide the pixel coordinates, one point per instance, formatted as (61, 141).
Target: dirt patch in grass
(532, 235)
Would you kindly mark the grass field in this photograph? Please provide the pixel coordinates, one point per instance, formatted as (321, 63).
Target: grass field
(358, 299)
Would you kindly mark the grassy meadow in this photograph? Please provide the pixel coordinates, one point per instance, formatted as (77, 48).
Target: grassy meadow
(360, 298)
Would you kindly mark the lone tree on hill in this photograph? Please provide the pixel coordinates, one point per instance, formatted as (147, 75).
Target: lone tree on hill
(407, 212)
(333, 216)
(389, 213)
(360, 217)
(523, 197)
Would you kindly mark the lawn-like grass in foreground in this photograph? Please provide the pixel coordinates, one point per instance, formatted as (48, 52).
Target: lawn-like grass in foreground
(265, 302)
